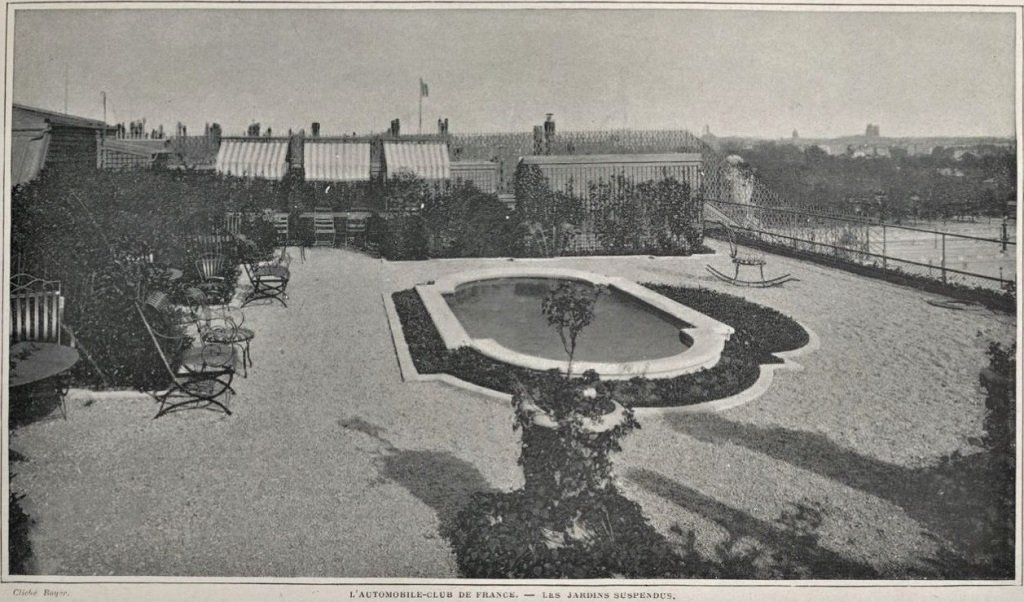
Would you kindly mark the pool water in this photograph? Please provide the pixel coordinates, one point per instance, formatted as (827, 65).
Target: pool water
(508, 310)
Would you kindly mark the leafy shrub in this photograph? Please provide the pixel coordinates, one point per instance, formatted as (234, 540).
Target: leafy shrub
(1000, 383)
(499, 536)
(652, 217)
(300, 230)
(762, 330)
(548, 219)
(462, 221)
(90, 228)
(260, 230)
(569, 520)
(19, 546)
(404, 238)
(759, 333)
(465, 222)
(978, 490)
(338, 196)
(563, 454)
(420, 334)
(376, 233)
(628, 217)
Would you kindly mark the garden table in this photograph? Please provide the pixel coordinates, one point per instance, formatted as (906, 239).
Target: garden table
(236, 336)
(33, 362)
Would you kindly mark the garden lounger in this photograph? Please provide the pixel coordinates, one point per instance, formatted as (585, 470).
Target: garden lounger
(201, 377)
(742, 259)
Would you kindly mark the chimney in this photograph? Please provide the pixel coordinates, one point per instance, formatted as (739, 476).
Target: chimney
(296, 150)
(549, 127)
(316, 129)
(396, 127)
(254, 129)
(549, 132)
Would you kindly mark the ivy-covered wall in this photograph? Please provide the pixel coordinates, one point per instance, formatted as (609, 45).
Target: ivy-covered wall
(614, 216)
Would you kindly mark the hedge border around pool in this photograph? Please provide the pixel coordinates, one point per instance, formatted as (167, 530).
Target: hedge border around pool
(765, 340)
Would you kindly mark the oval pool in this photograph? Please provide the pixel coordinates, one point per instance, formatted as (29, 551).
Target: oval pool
(635, 332)
(508, 311)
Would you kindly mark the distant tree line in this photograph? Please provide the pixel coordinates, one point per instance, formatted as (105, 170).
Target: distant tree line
(892, 188)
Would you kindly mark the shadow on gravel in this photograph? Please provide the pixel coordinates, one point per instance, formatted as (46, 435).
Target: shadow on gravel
(785, 549)
(438, 479)
(33, 403)
(956, 500)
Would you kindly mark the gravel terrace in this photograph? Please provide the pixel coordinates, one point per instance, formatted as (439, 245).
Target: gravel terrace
(331, 466)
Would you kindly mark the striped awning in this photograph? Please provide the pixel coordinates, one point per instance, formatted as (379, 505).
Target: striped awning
(334, 161)
(253, 158)
(428, 160)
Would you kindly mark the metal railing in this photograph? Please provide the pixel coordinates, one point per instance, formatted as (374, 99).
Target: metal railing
(949, 257)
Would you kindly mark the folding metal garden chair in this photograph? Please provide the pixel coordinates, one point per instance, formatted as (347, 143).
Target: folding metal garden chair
(281, 225)
(268, 281)
(37, 309)
(323, 227)
(199, 376)
(37, 316)
(355, 229)
(211, 270)
(233, 223)
(285, 237)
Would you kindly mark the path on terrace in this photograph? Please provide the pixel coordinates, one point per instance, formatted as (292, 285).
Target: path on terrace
(331, 466)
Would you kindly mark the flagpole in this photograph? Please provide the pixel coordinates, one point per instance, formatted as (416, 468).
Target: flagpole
(420, 93)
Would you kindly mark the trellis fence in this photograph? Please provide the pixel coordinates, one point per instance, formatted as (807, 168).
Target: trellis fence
(506, 148)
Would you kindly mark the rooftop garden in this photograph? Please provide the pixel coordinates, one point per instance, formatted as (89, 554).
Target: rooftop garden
(823, 480)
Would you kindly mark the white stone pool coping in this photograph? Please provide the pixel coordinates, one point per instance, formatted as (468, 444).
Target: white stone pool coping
(706, 335)
(767, 373)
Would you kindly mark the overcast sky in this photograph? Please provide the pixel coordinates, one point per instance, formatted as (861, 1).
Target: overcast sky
(757, 73)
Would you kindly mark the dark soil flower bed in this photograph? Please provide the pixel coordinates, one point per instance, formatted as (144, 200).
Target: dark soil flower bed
(760, 332)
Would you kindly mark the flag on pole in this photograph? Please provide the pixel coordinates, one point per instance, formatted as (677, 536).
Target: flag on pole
(424, 90)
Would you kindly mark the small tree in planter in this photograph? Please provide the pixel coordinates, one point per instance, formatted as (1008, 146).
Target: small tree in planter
(568, 431)
(569, 309)
(569, 520)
